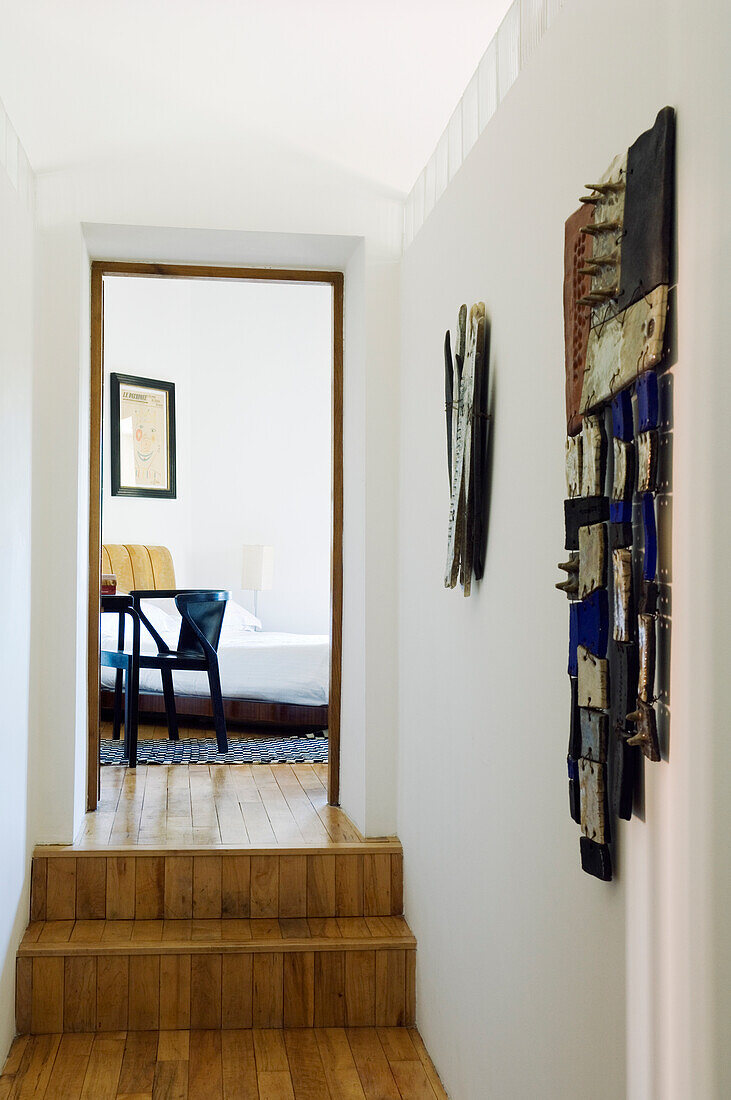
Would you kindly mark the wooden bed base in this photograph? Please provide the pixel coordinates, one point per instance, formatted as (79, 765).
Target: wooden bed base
(236, 710)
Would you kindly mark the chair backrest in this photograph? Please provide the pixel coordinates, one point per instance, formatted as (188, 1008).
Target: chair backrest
(202, 617)
(137, 566)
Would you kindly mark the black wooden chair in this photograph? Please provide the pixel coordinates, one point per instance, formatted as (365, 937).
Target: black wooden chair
(127, 665)
(202, 612)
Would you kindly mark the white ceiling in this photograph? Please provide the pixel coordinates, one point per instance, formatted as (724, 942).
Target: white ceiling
(368, 86)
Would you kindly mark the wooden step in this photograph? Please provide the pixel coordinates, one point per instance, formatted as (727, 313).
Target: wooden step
(345, 880)
(124, 975)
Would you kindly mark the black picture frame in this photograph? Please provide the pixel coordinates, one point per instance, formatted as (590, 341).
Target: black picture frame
(118, 402)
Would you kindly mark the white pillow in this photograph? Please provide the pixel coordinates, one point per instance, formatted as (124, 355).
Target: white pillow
(162, 622)
(236, 619)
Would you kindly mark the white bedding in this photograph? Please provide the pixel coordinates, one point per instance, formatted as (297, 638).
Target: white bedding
(254, 664)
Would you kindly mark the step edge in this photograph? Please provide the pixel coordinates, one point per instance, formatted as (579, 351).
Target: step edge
(214, 947)
(365, 847)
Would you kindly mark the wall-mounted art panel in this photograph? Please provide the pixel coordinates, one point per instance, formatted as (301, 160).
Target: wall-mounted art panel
(617, 283)
(467, 422)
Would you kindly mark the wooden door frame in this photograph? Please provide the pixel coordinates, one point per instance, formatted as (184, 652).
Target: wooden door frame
(100, 268)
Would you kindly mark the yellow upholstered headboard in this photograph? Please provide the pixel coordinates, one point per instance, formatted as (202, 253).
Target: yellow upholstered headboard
(138, 566)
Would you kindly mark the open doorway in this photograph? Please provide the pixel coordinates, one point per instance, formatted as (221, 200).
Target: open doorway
(217, 392)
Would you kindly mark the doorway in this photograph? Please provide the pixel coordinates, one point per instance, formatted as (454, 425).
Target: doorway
(102, 273)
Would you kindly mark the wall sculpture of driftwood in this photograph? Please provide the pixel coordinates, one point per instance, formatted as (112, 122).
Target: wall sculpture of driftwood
(466, 397)
(617, 275)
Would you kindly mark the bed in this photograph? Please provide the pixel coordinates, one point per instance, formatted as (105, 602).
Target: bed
(268, 678)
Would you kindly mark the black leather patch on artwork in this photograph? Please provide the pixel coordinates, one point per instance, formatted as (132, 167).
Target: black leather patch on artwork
(623, 674)
(619, 535)
(649, 204)
(596, 859)
(582, 512)
(575, 728)
(626, 766)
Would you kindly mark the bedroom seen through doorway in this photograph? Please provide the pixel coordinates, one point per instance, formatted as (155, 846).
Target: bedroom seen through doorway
(218, 537)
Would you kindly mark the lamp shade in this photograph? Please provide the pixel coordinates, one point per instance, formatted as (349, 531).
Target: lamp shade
(257, 573)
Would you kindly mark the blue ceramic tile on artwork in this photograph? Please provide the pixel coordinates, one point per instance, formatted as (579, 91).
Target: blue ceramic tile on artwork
(622, 427)
(649, 568)
(648, 401)
(573, 639)
(593, 622)
(620, 511)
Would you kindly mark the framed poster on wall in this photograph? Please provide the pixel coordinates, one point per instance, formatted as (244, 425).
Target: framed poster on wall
(142, 437)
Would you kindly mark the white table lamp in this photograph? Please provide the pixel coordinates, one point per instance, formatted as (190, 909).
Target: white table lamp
(257, 573)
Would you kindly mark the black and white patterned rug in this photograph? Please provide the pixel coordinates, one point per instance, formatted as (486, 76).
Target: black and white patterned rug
(307, 749)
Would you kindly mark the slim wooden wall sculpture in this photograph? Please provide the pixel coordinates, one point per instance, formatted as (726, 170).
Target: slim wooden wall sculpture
(466, 398)
(617, 262)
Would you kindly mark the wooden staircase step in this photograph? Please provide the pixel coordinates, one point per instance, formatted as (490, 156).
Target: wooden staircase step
(69, 883)
(117, 975)
(146, 937)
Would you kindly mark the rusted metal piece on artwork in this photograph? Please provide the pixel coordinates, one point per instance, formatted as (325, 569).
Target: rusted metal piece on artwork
(622, 590)
(570, 566)
(647, 451)
(593, 786)
(593, 735)
(593, 449)
(646, 641)
(593, 680)
(592, 559)
(571, 584)
(576, 283)
(622, 476)
(573, 466)
(607, 198)
(646, 726)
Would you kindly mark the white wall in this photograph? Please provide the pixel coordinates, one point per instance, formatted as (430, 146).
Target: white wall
(265, 351)
(147, 333)
(16, 441)
(252, 367)
(535, 980)
(370, 616)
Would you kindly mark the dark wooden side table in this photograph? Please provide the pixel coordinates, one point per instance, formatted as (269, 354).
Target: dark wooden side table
(127, 665)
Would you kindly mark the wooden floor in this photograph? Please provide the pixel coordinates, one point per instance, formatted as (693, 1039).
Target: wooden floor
(295, 1064)
(209, 805)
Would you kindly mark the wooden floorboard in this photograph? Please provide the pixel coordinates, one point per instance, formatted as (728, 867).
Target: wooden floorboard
(296, 1063)
(172, 806)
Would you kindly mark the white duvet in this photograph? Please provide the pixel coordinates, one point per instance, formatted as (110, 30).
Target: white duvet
(254, 664)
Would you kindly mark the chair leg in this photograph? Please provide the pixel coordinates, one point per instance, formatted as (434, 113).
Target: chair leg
(133, 704)
(169, 695)
(118, 686)
(127, 713)
(117, 704)
(219, 718)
